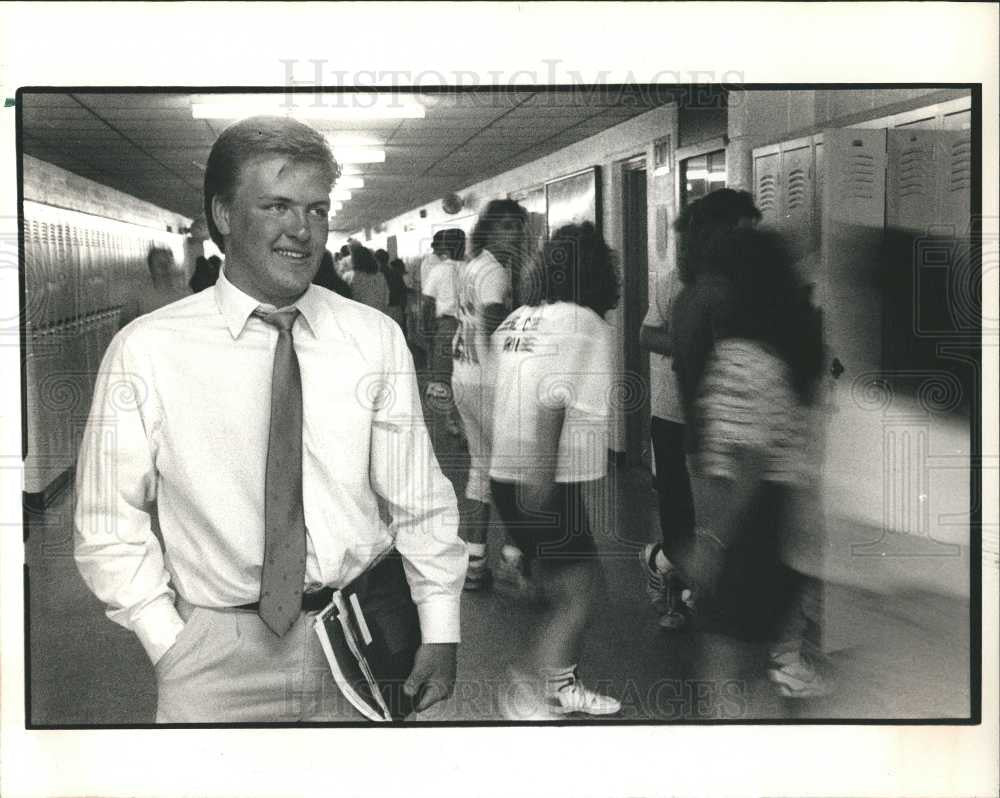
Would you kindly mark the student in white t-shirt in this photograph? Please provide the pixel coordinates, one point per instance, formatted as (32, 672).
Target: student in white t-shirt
(555, 374)
(498, 243)
(438, 311)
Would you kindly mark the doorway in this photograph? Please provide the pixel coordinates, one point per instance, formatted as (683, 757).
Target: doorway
(635, 303)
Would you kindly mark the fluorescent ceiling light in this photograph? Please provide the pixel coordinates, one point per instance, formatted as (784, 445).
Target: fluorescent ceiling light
(350, 182)
(336, 206)
(353, 140)
(340, 194)
(358, 155)
(349, 169)
(346, 106)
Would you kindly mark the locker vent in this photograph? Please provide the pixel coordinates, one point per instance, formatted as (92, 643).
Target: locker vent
(912, 172)
(961, 165)
(766, 193)
(796, 189)
(860, 177)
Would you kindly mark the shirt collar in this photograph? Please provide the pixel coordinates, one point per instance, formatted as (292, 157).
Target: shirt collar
(236, 306)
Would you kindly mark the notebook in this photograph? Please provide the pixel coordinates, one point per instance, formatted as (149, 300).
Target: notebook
(370, 633)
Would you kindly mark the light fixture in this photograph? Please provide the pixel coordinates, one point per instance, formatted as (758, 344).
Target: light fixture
(350, 182)
(336, 206)
(341, 195)
(352, 140)
(343, 106)
(358, 155)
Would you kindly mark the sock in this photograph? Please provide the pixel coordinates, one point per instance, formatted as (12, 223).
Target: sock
(477, 554)
(511, 552)
(663, 564)
(557, 679)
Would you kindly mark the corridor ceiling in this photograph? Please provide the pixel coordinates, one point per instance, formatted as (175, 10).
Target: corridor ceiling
(149, 145)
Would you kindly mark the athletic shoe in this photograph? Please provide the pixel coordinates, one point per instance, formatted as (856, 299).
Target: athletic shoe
(572, 697)
(512, 578)
(664, 590)
(521, 699)
(478, 575)
(794, 676)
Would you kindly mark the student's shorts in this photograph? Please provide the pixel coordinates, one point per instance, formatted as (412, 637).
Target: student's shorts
(560, 536)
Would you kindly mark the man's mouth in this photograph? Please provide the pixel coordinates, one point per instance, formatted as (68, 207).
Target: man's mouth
(292, 253)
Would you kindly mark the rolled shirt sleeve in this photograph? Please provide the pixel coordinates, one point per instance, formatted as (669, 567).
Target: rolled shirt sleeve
(421, 500)
(117, 553)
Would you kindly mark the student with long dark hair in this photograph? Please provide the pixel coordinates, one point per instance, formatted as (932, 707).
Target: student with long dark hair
(689, 311)
(749, 416)
(555, 374)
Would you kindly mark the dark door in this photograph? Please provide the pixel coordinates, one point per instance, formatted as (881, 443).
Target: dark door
(635, 303)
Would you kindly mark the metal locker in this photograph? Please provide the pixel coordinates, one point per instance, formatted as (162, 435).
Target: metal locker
(796, 201)
(853, 222)
(955, 179)
(73, 271)
(766, 176)
(912, 177)
(35, 420)
(52, 287)
(65, 272)
(34, 279)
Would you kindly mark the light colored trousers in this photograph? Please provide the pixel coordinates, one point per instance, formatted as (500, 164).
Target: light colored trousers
(228, 667)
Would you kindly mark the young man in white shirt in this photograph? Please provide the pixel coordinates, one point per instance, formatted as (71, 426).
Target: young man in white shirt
(180, 430)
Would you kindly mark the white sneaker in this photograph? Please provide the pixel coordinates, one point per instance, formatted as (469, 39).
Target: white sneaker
(794, 676)
(512, 578)
(521, 699)
(574, 697)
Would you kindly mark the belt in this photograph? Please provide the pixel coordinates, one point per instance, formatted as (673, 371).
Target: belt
(312, 601)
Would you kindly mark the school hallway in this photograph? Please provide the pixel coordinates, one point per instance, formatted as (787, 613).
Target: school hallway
(896, 632)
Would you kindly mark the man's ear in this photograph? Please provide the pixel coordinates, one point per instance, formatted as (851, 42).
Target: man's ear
(220, 214)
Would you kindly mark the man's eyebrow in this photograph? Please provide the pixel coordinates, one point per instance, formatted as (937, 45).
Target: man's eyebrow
(289, 200)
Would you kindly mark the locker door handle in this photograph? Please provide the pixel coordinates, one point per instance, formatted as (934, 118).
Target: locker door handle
(836, 368)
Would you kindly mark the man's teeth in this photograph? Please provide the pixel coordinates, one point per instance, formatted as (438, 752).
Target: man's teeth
(291, 254)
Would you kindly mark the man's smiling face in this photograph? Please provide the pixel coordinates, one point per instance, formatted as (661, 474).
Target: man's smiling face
(275, 228)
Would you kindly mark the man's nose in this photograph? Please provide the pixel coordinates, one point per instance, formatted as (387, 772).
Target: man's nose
(298, 226)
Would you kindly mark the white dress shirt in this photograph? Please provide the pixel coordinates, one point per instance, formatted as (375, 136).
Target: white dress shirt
(178, 430)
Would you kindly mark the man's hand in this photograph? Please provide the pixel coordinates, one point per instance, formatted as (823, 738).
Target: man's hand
(433, 675)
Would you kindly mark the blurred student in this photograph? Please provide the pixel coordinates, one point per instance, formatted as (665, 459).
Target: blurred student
(327, 277)
(166, 284)
(398, 292)
(206, 273)
(749, 463)
(691, 309)
(439, 310)
(368, 284)
(555, 367)
(498, 243)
